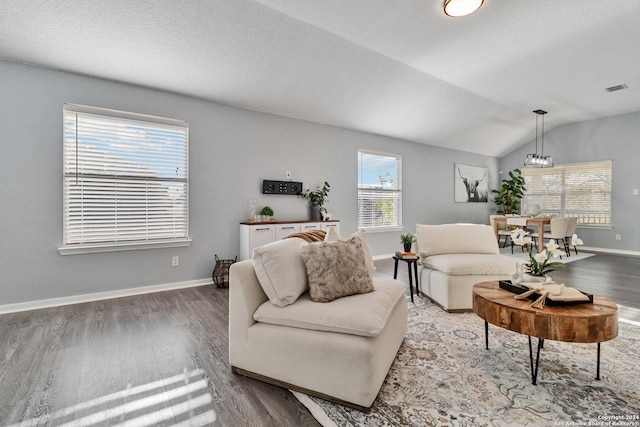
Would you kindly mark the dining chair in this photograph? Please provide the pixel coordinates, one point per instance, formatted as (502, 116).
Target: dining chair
(506, 229)
(558, 233)
(502, 231)
(571, 229)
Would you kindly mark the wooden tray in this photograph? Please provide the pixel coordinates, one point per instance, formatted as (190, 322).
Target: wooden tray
(517, 288)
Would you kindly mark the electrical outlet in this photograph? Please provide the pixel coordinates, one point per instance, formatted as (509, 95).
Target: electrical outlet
(617, 237)
(289, 176)
(635, 191)
(175, 261)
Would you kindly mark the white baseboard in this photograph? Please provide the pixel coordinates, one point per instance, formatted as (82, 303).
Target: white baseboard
(379, 257)
(76, 299)
(610, 251)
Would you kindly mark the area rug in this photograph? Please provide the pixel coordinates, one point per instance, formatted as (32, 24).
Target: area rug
(524, 256)
(444, 376)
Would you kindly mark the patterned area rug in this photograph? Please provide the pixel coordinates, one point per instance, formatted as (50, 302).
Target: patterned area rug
(443, 376)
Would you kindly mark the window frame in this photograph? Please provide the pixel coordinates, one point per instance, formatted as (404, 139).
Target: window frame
(562, 194)
(397, 191)
(116, 242)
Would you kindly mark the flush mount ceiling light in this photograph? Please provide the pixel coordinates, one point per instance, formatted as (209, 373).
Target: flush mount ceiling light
(539, 160)
(461, 7)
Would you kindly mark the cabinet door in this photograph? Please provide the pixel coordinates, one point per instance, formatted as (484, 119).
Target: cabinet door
(261, 235)
(335, 225)
(283, 230)
(308, 226)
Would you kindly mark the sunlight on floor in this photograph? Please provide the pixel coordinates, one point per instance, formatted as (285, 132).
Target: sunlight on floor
(182, 398)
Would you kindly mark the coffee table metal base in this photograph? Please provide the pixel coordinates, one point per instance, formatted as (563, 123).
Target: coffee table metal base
(534, 367)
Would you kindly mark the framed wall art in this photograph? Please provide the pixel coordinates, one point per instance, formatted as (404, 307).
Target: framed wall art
(471, 184)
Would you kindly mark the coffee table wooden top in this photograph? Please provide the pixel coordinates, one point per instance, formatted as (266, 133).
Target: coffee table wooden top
(586, 323)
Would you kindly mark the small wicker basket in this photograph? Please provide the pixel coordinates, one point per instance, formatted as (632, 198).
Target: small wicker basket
(220, 274)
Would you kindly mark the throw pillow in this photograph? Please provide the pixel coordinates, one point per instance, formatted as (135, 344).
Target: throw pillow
(336, 269)
(281, 271)
(332, 236)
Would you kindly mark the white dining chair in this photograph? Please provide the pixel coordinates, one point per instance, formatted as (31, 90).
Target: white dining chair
(504, 230)
(571, 229)
(558, 232)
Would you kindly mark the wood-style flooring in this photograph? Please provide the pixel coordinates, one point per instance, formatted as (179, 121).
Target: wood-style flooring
(162, 359)
(150, 360)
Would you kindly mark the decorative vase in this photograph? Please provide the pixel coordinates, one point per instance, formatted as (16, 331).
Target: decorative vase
(533, 279)
(315, 213)
(407, 247)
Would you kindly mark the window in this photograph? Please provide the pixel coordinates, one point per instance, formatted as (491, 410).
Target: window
(125, 181)
(582, 190)
(379, 190)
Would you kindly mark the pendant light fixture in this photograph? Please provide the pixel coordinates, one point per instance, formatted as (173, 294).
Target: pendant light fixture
(461, 7)
(539, 160)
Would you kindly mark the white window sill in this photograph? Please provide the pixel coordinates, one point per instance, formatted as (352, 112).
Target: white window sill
(382, 229)
(117, 247)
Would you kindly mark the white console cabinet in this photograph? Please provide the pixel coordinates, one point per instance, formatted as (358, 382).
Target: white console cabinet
(257, 234)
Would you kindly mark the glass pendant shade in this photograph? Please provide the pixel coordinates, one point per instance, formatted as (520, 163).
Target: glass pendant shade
(461, 7)
(538, 161)
(541, 160)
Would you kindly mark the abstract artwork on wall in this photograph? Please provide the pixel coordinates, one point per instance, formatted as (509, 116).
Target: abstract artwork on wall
(471, 183)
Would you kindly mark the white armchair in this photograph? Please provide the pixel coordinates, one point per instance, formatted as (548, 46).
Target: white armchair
(454, 257)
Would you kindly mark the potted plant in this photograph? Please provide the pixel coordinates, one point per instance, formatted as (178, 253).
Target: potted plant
(266, 213)
(407, 240)
(510, 193)
(317, 198)
(540, 263)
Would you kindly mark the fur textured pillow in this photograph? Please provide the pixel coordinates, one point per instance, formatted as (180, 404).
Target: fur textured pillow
(332, 235)
(336, 269)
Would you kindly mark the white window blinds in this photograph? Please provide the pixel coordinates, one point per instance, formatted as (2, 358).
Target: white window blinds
(379, 190)
(125, 177)
(582, 190)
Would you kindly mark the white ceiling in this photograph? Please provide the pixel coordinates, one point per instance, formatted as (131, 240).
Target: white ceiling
(400, 68)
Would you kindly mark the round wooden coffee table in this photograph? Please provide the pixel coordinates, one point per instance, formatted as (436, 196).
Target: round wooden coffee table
(580, 323)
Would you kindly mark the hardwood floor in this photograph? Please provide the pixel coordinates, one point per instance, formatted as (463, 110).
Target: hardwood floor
(156, 359)
(162, 359)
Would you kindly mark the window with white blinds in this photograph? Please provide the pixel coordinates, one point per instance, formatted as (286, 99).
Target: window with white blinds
(125, 179)
(582, 190)
(379, 190)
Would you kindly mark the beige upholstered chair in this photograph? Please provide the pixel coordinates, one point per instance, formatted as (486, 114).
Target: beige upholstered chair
(571, 229)
(454, 257)
(558, 232)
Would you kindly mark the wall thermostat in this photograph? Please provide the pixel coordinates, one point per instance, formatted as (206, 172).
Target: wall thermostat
(281, 187)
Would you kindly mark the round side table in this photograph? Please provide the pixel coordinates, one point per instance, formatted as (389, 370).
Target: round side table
(410, 262)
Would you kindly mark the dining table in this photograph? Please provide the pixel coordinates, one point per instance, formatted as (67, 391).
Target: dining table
(501, 222)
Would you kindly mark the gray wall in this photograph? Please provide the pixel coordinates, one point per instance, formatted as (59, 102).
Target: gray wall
(232, 150)
(612, 138)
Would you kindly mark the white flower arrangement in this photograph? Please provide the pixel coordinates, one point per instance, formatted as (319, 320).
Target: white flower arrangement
(539, 264)
(521, 237)
(576, 241)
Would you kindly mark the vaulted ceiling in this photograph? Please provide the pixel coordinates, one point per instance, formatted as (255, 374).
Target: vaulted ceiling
(400, 68)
